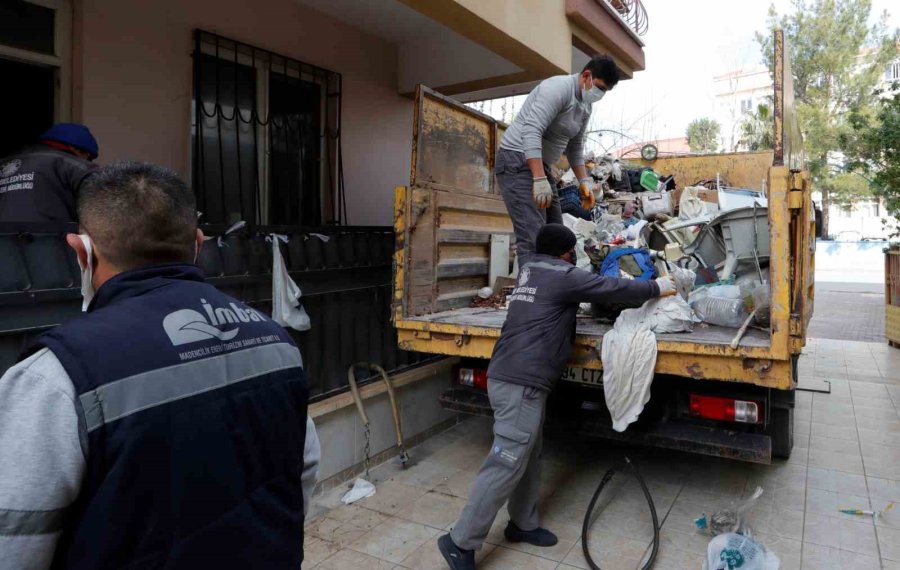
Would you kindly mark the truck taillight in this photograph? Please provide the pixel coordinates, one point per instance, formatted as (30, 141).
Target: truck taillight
(725, 409)
(473, 377)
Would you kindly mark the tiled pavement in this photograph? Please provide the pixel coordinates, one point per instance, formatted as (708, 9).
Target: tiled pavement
(847, 454)
(849, 311)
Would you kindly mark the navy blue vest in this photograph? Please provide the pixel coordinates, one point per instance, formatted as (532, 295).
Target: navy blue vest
(195, 409)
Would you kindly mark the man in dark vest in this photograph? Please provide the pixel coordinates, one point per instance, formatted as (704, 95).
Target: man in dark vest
(167, 426)
(40, 184)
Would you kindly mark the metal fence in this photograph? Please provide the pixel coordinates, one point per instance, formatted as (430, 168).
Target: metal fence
(344, 272)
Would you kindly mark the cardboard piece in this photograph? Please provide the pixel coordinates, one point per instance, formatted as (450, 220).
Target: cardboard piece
(705, 194)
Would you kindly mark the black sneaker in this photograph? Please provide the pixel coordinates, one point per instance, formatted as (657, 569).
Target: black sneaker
(537, 537)
(456, 557)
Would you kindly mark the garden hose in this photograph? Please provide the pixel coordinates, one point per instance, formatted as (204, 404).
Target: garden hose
(586, 527)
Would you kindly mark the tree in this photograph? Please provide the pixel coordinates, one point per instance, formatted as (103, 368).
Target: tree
(872, 148)
(757, 130)
(837, 61)
(703, 135)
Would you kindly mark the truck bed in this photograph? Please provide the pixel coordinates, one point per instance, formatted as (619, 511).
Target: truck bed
(588, 326)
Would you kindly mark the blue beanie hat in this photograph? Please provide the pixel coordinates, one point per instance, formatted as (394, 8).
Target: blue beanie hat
(75, 135)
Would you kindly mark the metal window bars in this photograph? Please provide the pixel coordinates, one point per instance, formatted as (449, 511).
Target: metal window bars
(235, 134)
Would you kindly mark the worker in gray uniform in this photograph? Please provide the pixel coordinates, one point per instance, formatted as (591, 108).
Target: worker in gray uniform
(552, 120)
(529, 357)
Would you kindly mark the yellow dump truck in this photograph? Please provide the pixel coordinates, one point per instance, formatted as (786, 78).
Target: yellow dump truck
(447, 218)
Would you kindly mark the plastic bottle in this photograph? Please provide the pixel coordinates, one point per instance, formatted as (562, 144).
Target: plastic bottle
(720, 311)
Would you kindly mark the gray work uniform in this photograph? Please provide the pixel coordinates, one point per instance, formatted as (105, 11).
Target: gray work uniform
(534, 346)
(41, 185)
(552, 121)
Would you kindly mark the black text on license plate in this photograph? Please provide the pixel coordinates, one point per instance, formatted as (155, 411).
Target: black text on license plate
(583, 376)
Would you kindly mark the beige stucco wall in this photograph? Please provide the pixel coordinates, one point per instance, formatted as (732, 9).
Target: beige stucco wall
(532, 34)
(521, 19)
(134, 78)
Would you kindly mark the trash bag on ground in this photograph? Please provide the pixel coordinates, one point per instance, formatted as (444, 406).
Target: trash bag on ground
(730, 519)
(733, 551)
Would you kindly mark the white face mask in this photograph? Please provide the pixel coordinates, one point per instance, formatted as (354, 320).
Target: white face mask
(87, 273)
(592, 95)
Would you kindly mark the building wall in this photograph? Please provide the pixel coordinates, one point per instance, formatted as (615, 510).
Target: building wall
(134, 79)
(734, 92)
(508, 28)
(862, 220)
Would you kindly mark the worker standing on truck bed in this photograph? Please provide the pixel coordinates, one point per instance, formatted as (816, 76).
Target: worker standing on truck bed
(40, 184)
(529, 357)
(552, 120)
(165, 428)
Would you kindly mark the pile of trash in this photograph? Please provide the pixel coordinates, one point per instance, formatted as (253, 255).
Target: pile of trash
(644, 225)
(733, 546)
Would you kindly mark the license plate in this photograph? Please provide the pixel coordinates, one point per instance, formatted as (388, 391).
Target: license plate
(583, 376)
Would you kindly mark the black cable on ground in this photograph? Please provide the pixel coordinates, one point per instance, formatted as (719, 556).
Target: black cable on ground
(586, 527)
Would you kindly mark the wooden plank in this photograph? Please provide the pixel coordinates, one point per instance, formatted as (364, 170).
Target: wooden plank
(451, 303)
(462, 236)
(454, 146)
(420, 240)
(487, 204)
(468, 285)
(450, 252)
(462, 268)
(476, 221)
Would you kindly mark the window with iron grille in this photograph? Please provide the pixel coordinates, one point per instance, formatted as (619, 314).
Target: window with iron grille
(265, 136)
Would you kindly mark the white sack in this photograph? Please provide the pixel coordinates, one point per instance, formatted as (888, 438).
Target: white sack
(628, 354)
(286, 308)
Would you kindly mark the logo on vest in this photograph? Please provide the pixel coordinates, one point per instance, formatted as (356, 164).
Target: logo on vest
(10, 168)
(187, 325)
(524, 276)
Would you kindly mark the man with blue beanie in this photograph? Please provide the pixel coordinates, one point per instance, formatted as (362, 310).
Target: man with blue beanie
(40, 184)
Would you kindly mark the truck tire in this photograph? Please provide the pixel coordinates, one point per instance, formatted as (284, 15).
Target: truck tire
(781, 422)
(781, 430)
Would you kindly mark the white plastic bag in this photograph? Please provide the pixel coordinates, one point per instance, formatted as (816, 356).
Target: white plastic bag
(684, 281)
(286, 308)
(690, 206)
(738, 552)
(360, 490)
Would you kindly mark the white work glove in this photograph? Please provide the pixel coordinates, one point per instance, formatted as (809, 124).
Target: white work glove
(542, 192)
(585, 188)
(666, 286)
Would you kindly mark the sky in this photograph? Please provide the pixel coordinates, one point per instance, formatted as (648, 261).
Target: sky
(687, 44)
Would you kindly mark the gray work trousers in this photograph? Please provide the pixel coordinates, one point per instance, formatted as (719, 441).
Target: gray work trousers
(512, 469)
(517, 188)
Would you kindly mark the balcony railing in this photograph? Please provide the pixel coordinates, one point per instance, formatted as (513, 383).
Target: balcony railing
(632, 13)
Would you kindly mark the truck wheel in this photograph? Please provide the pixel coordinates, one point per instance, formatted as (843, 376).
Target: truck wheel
(781, 430)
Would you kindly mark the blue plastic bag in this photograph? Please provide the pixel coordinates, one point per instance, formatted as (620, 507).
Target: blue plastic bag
(610, 266)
